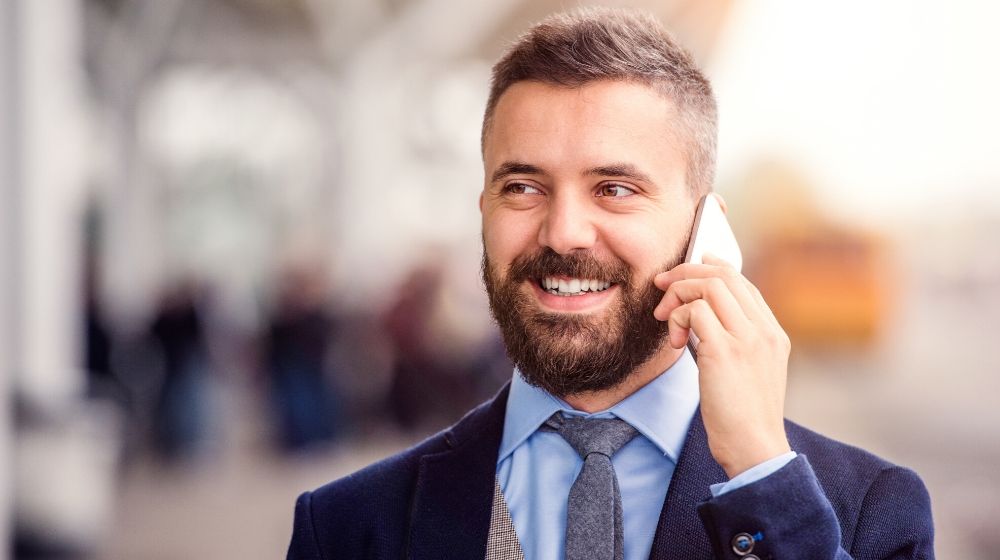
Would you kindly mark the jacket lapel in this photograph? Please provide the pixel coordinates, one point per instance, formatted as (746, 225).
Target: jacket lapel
(450, 515)
(679, 532)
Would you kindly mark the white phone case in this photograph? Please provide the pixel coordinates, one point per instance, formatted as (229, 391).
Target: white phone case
(712, 234)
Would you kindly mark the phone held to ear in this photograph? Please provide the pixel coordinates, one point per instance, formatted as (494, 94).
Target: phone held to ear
(712, 234)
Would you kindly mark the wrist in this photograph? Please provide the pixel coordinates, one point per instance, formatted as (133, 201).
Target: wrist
(749, 458)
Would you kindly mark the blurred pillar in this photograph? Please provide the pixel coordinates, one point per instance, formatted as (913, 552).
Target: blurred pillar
(129, 54)
(10, 182)
(375, 122)
(52, 153)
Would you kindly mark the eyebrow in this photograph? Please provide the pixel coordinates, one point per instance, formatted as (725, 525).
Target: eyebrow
(513, 168)
(626, 170)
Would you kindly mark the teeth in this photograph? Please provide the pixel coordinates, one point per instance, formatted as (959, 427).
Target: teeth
(573, 286)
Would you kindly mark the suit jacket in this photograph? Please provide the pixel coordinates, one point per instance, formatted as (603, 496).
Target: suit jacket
(433, 501)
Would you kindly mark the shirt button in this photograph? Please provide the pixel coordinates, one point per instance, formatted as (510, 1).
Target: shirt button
(743, 545)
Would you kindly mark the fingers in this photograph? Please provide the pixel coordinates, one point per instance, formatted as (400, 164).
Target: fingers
(713, 291)
(735, 303)
(714, 267)
(699, 316)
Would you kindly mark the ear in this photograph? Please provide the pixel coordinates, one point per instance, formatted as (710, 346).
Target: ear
(722, 202)
(481, 193)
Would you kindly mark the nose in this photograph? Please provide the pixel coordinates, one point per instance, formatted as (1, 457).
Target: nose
(568, 225)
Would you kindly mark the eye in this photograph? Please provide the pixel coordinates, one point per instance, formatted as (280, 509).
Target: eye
(614, 190)
(521, 188)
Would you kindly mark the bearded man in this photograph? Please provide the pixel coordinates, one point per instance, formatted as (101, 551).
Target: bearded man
(613, 440)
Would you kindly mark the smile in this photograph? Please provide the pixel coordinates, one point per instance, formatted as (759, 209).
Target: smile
(572, 286)
(563, 294)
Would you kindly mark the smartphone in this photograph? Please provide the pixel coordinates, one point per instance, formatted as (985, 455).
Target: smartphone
(712, 234)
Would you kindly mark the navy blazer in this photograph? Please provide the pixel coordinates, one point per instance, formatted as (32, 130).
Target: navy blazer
(433, 501)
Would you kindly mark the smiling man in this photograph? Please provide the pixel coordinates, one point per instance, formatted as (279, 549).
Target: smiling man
(612, 440)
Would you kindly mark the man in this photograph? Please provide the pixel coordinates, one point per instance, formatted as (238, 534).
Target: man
(612, 440)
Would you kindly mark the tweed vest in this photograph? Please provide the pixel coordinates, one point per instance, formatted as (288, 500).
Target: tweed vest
(502, 543)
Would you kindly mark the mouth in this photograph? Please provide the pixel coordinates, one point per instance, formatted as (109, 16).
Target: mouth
(567, 287)
(573, 295)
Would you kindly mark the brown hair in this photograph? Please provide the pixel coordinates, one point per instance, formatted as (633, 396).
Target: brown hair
(592, 44)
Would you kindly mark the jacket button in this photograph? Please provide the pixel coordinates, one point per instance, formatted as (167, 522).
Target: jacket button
(751, 557)
(743, 545)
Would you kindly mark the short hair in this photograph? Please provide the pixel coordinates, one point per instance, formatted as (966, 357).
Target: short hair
(593, 44)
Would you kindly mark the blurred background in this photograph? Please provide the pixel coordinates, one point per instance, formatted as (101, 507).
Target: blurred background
(239, 246)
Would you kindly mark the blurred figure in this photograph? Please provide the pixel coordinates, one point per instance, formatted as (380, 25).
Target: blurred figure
(101, 380)
(428, 386)
(99, 339)
(181, 410)
(298, 343)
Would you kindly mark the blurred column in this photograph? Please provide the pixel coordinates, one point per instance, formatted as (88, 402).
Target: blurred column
(9, 230)
(375, 123)
(52, 154)
(131, 51)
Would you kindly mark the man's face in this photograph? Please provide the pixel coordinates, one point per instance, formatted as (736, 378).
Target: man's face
(585, 200)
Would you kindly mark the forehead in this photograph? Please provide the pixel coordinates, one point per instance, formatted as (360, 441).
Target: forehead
(605, 120)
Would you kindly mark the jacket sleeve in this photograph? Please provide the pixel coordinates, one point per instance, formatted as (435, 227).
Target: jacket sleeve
(787, 515)
(304, 545)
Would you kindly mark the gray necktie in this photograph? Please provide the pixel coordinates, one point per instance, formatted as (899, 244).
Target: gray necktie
(594, 516)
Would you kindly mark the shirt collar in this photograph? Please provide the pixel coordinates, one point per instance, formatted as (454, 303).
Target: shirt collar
(661, 411)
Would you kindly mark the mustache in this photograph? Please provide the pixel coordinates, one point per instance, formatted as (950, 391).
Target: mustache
(546, 262)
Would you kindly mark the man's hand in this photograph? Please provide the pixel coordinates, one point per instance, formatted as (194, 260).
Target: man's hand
(742, 355)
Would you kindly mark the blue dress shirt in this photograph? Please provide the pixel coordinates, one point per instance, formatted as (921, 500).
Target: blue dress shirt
(535, 469)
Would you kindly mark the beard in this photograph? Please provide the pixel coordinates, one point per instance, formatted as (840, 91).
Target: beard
(564, 353)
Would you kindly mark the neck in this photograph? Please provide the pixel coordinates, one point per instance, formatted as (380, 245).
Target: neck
(595, 401)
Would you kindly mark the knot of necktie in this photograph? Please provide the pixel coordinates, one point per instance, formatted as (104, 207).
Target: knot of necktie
(592, 435)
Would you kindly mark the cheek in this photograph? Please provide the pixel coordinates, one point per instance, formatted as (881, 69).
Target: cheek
(507, 235)
(648, 245)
